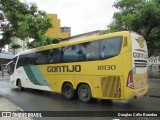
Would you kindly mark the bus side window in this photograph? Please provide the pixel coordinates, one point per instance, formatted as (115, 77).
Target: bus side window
(71, 53)
(81, 51)
(30, 59)
(54, 55)
(21, 61)
(26, 60)
(12, 65)
(110, 47)
(39, 58)
(92, 50)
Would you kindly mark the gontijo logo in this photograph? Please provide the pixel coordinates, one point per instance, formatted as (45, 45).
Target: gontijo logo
(140, 41)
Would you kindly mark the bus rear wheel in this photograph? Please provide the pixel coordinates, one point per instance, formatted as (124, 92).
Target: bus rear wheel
(68, 91)
(84, 93)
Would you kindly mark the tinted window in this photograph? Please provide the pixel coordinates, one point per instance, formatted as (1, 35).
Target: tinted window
(110, 47)
(27, 59)
(30, 59)
(54, 55)
(70, 53)
(94, 50)
(12, 65)
(21, 61)
(91, 50)
(81, 52)
(40, 57)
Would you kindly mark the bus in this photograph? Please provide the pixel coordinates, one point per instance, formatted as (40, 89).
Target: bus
(111, 66)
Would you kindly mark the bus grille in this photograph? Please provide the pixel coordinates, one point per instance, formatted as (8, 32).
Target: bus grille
(140, 63)
(111, 86)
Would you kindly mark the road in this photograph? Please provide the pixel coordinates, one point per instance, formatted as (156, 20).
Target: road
(35, 100)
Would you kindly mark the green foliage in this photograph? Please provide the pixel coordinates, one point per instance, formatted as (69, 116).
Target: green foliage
(142, 16)
(15, 46)
(21, 20)
(45, 41)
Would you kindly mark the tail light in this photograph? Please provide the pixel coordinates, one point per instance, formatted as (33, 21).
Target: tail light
(130, 83)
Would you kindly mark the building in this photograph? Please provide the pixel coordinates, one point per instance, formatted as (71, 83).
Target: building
(57, 31)
(5, 57)
(22, 43)
(154, 67)
(83, 35)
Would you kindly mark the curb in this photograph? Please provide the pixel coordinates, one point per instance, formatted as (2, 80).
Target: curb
(6, 105)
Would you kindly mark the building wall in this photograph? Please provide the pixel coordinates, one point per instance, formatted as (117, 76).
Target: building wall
(56, 30)
(83, 36)
(154, 67)
(22, 43)
(5, 58)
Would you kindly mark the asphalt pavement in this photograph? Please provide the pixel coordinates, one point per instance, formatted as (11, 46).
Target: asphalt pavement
(154, 87)
(6, 105)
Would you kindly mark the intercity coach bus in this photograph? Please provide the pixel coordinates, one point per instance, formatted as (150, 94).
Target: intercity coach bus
(111, 66)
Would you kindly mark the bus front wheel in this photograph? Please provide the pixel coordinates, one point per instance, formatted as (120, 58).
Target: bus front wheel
(68, 91)
(84, 93)
(19, 84)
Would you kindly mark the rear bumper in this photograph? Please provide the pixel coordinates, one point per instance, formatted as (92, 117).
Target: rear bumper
(141, 92)
(136, 93)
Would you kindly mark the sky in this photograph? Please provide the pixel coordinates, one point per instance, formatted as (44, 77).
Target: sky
(81, 15)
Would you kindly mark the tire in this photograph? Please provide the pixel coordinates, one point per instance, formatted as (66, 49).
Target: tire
(68, 91)
(84, 93)
(19, 84)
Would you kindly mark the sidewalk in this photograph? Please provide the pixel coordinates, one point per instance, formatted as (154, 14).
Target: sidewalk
(6, 105)
(154, 88)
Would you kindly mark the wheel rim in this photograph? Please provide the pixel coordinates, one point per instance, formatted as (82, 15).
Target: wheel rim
(68, 91)
(84, 93)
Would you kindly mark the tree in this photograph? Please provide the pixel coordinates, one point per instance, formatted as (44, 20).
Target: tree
(45, 41)
(142, 16)
(15, 46)
(21, 20)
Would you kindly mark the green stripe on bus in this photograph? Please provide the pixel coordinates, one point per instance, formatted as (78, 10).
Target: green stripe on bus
(35, 76)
